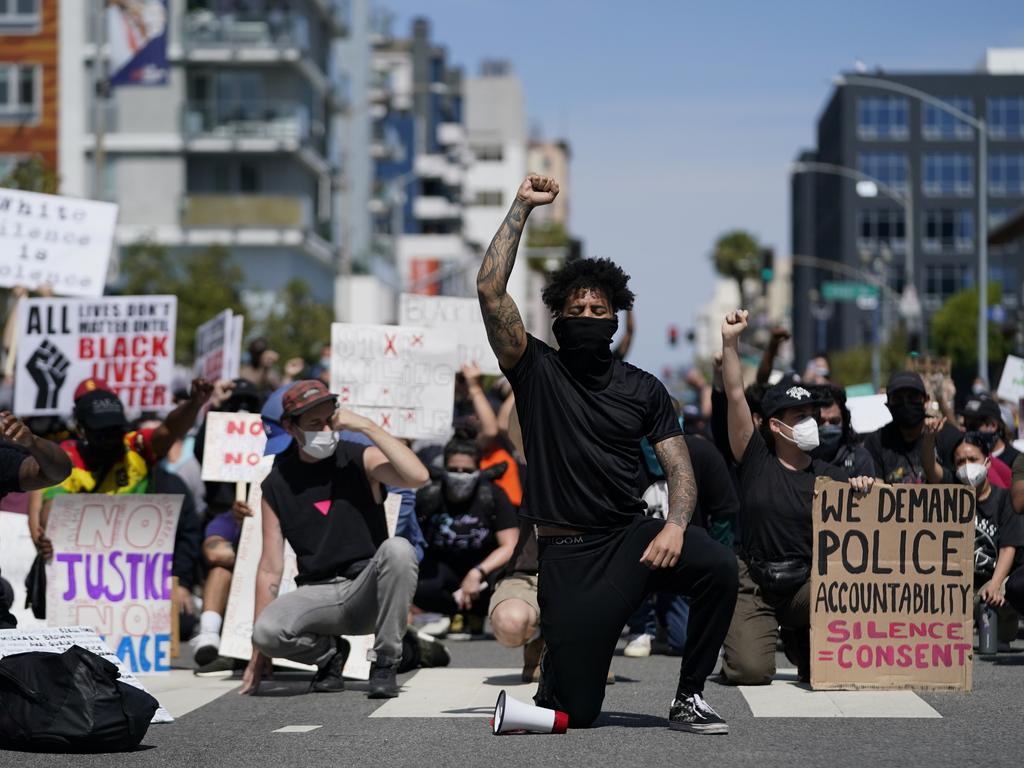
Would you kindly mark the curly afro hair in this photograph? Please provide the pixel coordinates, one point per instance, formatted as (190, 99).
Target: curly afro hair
(588, 274)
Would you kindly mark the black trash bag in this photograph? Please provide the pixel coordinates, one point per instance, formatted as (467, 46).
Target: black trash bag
(70, 702)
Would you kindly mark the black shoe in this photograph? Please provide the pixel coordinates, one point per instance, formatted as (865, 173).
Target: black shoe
(219, 667)
(695, 715)
(431, 651)
(545, 697)
(383, 684)
(328, 678)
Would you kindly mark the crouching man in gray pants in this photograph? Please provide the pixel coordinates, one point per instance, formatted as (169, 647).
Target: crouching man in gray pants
(325, 498)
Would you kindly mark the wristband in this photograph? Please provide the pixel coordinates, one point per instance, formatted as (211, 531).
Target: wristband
(481, 571)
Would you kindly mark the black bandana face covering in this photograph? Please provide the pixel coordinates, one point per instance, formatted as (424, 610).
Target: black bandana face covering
(585, 347)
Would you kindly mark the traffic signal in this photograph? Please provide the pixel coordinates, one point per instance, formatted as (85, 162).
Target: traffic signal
(767, 264)
(673, 335)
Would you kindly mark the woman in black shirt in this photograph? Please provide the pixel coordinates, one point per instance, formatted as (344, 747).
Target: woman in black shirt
(776, 478)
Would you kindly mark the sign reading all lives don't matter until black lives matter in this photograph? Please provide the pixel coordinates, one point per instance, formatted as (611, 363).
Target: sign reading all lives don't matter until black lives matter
(892, 587)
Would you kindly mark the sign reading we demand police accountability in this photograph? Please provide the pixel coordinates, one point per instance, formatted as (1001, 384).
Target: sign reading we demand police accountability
(892, 587)
(128, 341)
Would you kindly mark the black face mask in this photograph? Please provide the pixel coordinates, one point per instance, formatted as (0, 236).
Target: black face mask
(830, 437)
(103, 448)
(585, 347)
(907, 415)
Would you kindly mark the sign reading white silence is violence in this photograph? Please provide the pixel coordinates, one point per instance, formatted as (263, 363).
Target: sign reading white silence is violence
(63, 242)
(128, 341)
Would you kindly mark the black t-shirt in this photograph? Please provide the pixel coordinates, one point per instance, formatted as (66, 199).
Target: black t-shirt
(775, 504)
(327, 512)
(469, 527)
(1003, 526)
(1009, 455)
(716, 496)
(582, 445)
(11, 458)
(899, 462)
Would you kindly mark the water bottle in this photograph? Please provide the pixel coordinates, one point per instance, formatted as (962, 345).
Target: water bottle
(988, 631)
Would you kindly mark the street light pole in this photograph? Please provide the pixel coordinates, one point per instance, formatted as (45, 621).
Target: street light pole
(979, 125)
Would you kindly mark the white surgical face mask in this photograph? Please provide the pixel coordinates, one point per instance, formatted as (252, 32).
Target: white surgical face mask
(805, 434)
(972, 474)
(319, 445)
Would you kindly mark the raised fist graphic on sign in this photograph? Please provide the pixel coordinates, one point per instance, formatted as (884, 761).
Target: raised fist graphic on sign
(48, 368)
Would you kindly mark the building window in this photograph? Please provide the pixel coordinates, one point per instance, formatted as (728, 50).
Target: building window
(487, 197)
(948, 174)
(890, 168)
(1007, 276)
(20, 95)
(882, 117)
(19, 16)
(1006, 118)
(946, 229)
(943, 280)
(881, 226)
(1006, 175)
(490, 153)
(938, 124)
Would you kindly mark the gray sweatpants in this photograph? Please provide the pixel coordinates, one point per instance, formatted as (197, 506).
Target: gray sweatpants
(302, 625)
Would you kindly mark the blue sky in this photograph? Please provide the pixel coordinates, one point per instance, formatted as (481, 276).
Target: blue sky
(684, 117)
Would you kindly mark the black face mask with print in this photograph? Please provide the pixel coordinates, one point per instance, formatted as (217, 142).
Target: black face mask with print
(585, 347)
(907, 415)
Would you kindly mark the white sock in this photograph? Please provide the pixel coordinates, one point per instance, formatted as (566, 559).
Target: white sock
(210, 621)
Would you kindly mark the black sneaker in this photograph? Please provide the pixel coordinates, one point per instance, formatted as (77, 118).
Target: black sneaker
(432, 651)
(383, 684)
(695, 715)
(219, 667)
(328, 678)
(545, 697)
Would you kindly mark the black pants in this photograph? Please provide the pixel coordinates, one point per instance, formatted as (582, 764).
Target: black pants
(588, 590)
(1015, 589)
(439, 577)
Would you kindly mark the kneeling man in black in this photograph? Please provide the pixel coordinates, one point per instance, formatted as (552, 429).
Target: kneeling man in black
(583, 413)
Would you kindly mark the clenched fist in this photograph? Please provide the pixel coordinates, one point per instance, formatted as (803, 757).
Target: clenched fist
(734, 325)
(537, 190)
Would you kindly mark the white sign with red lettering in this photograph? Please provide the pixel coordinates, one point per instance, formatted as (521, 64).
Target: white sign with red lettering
(234, 447)
(402, 377)
(218, 352)
(127, 341)
(461, 317)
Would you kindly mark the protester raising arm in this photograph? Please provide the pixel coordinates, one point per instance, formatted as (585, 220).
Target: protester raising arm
(388, 461)
(181, 419)
(268, 582)
(932, 471)
(626, 342)
(46, 463)
(481, 405)
(505, 329)
(740, 425)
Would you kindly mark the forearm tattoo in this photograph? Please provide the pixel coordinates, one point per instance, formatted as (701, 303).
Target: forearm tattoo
(505, 329)
(674, 458)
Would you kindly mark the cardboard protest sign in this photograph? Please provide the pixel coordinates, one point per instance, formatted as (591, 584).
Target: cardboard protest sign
(892, 587)
(1011, 383)
(233, 451)
(111, 570)
(128, 341)
(401, 377)
(236, 635)
(59, 639)
(63, 242)
(460, 317)
(17, 552)
(218, 341)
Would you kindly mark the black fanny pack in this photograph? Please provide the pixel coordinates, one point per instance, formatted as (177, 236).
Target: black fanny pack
(779, 576)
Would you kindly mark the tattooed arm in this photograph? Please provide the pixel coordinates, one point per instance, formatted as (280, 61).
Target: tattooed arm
(665, 548)
(504, 324)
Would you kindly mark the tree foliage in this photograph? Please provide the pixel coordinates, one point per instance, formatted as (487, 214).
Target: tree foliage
(32, 175)
(853, 366)
(735, 255)
(954, 328)
(298, 325)
(548, 234)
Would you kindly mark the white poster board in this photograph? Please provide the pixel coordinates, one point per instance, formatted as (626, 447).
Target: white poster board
(236, 635)
(63, 242)
(111, 570)
(59, 639)
(1011, 383)
(460, 317)
(868, 413)
(128, 341)
(17, 552)
(401, 377)
(216, 353)
(233, 451)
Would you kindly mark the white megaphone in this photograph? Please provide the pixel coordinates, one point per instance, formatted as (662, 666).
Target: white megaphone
(513, 716)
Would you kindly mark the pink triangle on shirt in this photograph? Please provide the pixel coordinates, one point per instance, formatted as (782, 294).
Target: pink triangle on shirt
(322, 506)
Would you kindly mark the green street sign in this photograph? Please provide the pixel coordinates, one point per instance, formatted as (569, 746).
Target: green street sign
(841, 290)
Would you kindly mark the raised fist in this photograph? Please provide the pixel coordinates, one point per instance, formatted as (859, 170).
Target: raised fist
(537, 190)
(48, 368)
(734, 324)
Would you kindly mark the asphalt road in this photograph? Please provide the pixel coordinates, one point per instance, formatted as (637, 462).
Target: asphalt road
(981, 728)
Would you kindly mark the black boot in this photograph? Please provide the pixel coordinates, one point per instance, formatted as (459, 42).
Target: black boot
(328, 678)
(383, 684)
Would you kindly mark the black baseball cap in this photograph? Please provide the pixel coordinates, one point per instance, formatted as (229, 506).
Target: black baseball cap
(100, 409)
(245, 395)
(789, 394)
(906, 380)
(984, 409)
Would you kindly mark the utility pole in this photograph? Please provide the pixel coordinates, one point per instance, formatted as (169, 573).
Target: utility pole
(101, 91)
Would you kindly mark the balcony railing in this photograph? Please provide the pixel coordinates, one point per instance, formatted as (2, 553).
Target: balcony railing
(276, 29)
(256, 119)
(242, 211)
